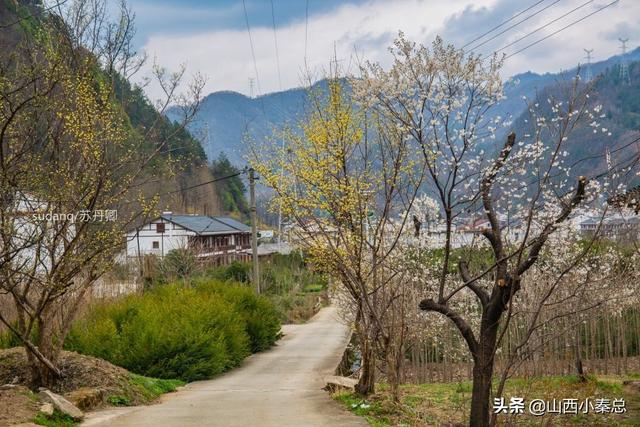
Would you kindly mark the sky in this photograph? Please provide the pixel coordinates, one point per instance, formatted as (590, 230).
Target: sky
(211, 37)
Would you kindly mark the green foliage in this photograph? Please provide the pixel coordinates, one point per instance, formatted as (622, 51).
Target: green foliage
(261, 320)
(449, 403)
(294, 289)
(58, 419)
(187, 332)
(151, 388)
(143, 116)
(290, 273)
(8, 339)
(236, 271)
(371, 411)
(118, 400)
(178, 264)
(231, 192)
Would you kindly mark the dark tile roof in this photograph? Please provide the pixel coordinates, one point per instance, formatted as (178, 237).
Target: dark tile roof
(233, 223)
(207, 225)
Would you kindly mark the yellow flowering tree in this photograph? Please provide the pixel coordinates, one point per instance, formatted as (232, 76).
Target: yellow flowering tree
(339, 178)
(71, 174)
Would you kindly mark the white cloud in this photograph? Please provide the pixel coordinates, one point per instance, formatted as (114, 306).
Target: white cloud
(224, 56)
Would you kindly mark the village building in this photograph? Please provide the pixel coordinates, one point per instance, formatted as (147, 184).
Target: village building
(616, 227)
(218, 239)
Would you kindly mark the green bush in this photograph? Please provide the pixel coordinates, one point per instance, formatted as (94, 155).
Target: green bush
(178, 264)
(260, 318)
(176, 331)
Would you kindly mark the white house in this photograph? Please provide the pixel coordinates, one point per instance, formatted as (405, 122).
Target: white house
(208, 237)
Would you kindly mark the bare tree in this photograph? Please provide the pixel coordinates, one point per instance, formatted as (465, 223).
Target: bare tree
(71, 175)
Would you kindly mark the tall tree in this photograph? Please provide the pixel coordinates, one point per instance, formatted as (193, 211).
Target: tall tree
(441, 97)
(71, 168)
(338, 184)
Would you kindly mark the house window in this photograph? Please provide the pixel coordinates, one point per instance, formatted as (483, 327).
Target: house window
(156, 244)
(160, 227)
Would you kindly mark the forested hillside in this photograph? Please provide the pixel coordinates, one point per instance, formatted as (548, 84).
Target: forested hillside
(180, 161)
(616, 128)
(227, 121)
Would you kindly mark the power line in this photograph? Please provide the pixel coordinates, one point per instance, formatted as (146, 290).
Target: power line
(515, 25)
(503, 23)
(306, 31)
(542, 27)
(561, 29)
(275, 42)
(222, 178)
(253, 53)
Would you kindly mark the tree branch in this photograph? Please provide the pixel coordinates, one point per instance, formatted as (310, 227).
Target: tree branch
(550, 227)
(482, 295)
(461, 324)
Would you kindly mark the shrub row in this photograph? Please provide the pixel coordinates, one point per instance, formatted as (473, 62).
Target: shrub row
(188, 332)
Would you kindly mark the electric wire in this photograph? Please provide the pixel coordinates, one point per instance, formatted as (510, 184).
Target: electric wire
(562, 29)
(515, 25)
(542, 27)
(503, 23)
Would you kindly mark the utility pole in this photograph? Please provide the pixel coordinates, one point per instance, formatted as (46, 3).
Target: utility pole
(254, 229)
(208, 147)
(280, 204)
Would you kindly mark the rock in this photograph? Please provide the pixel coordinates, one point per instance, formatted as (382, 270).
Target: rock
(335, 383)
(61, 404)
(47, 409)
(87, 398)
(8, 386)
(14, 387)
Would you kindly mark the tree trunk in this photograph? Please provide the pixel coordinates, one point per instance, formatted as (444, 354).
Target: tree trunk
(578, 350)
(43, 367)
(481, 394)
(483, 374)
(366, 382)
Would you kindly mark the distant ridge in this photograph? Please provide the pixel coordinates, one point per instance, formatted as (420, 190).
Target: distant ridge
(233, 117)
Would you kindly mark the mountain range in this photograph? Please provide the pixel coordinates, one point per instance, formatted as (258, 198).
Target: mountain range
(227, 120)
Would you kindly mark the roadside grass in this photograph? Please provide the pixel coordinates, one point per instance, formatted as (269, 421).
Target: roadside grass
(447, 404)
(152, 388)
(141, 389)
(58, 419)
(139, 386)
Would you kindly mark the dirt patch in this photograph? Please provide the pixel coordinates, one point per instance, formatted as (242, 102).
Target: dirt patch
(17, 405)
(77, 370)
(82, 376)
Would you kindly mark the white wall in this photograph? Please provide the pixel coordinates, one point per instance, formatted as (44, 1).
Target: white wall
(174, 237)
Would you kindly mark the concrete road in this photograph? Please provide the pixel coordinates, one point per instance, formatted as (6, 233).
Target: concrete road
(280, 387)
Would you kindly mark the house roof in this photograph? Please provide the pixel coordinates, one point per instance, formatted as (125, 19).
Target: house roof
(207, 225)
(614, 220)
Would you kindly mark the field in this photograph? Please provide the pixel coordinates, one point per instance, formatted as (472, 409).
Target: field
(447, 404)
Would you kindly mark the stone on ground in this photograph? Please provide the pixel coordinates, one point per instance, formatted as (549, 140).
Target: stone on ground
(47, 409)
(86, 398)
(335, 383)
(61, 404)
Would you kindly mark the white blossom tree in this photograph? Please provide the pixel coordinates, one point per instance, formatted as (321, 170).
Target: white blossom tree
(442, 97)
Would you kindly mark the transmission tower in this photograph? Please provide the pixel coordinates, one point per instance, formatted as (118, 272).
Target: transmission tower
(251, 82)
(588, 75)
(624, 66)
